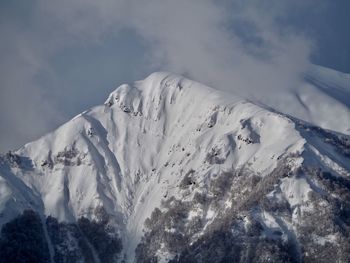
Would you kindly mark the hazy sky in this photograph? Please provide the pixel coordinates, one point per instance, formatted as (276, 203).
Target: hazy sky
(58, 58)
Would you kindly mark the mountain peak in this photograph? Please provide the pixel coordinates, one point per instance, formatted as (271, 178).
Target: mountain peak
(168, 159)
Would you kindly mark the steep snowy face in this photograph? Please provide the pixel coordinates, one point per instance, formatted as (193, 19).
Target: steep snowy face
(168, 143)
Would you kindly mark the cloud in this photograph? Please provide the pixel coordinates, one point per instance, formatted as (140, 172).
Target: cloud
(239, 46)
(203, 40)
(24, 111)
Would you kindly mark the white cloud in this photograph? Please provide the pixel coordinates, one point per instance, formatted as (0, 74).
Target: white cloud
(237, 46)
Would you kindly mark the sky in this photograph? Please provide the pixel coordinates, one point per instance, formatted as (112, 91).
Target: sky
(60, 57)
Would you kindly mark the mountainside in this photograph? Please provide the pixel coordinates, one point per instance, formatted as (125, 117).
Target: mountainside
(169, 170)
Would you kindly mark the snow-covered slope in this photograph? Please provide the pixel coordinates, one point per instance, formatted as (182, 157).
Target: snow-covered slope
(161, 144)
(322, 98)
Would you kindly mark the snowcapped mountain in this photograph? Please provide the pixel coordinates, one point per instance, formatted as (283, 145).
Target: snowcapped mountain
(169, 170)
